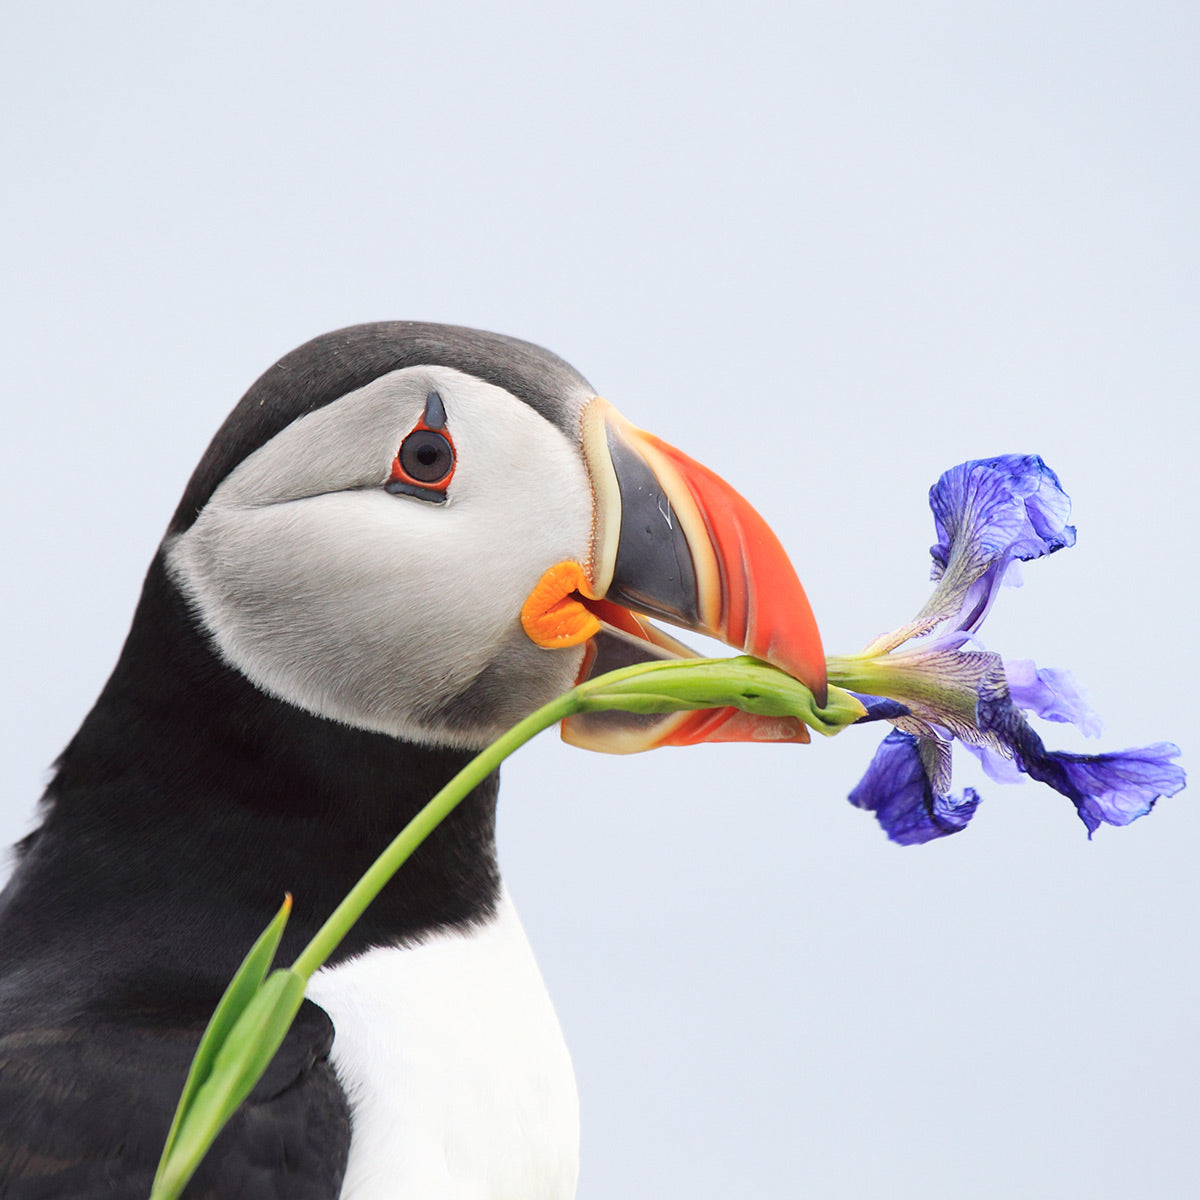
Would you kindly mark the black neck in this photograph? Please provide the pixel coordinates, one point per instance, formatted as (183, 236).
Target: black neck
(189, 802)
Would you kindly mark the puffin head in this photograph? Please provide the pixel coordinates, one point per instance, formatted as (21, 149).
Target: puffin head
(429, 531)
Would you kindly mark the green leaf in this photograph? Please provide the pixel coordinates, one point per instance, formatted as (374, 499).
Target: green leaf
(238, 1064)
(241, 990)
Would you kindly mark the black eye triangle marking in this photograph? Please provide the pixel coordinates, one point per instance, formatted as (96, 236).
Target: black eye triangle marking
(435, 412)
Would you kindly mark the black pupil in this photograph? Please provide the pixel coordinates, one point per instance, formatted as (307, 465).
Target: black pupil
(427, 456)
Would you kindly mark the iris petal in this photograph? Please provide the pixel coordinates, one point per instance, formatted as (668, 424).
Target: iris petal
(1052, 694)
(998, 767)
(1011, 504)
(988, 513)
(1114, 788)
(898, 791)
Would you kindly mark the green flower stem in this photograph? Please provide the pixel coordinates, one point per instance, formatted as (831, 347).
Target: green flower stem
(668, 686)
(746, 683)
(257, 1009)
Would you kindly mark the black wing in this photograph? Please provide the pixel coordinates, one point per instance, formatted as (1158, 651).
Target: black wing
(85, 1109)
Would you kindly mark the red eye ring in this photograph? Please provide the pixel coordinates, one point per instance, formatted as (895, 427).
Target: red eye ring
(424, 465)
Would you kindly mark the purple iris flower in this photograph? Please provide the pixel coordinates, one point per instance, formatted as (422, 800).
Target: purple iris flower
(899, 789)
(989, 514)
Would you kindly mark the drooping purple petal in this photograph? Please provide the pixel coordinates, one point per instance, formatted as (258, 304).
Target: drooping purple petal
(1114, 788)
(898, 791)
(1117, 787)
(1052, 694)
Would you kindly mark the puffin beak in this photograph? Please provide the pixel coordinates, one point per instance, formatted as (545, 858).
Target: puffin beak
(673, 541)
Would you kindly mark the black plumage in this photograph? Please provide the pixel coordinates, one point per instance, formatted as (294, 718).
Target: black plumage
(185, 807)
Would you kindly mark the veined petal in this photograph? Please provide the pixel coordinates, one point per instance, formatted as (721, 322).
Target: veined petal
(1052, 694)
(1046, 504)
(988, 513)
(1114, 788)
(1118, 787)
(897, 789)
(938, 685)
(1013, 503)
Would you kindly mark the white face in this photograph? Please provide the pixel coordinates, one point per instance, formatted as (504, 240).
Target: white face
(390, 612)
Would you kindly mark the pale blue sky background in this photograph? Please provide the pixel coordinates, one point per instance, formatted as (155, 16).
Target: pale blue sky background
(828, 249)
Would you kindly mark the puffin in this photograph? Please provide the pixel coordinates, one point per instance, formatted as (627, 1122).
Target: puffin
(404, 538)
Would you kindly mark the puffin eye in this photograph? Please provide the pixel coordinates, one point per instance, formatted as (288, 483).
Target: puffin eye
(427, 457)
(424, 464)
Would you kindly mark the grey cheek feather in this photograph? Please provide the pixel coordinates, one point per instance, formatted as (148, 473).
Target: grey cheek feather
(325, 626)
(385, 612)
(428, 673)
(520, 678)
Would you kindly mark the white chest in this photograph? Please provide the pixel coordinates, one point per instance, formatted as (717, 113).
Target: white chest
(459, 1079)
